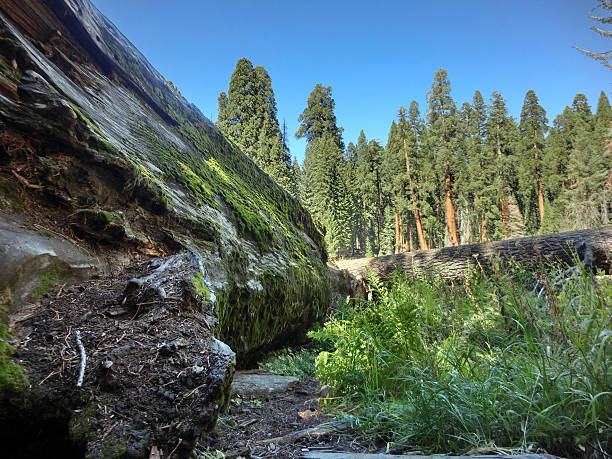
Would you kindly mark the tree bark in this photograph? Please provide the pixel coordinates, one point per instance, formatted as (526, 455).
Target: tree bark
(592, 246)
(539, 183)
(417, 212)
(365, 227)
(398, 229)
(451, 221)
(408, 245)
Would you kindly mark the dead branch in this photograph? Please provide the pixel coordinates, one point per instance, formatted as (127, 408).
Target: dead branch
(83, 358)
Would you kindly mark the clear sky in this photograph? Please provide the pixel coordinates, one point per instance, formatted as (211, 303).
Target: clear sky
(376, 56)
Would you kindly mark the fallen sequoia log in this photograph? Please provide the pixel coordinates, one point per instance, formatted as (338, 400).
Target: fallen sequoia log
(593, 247)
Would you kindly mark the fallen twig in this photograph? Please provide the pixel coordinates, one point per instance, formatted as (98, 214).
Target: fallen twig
(53, 373)
(175, 448)
(83, 358)
(25, 182)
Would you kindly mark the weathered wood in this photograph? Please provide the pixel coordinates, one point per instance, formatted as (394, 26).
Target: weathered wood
(594, 247)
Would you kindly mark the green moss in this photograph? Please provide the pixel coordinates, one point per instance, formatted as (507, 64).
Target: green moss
(80, 425)
(12, 377)
(251, 322)
(115, 446)
(101, 215)
(199, 284)
(5, 65)
(46, 234)
(89, 123)
(48, 279)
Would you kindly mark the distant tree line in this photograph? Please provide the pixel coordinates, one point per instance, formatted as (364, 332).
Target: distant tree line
(446, 177)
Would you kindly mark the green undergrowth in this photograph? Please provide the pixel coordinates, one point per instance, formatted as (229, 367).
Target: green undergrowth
(299, 363)
(446, 367)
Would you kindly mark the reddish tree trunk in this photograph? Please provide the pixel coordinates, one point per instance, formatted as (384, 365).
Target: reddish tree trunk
(539, 183)
(398, 229)
(409, 245)
(451, 221)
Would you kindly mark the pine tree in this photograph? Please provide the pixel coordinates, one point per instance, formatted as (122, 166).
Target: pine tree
(318, 117)
(588, 195)
(323, 189)
(325, 194)
(419, 169)
(395, 183)
(442, 119)
(603, 116)
(501, 135)
(296, 172)
(357, 244)
(533, 127)
(555, 172)
(369, 178)
(472, 183)
(248, 116)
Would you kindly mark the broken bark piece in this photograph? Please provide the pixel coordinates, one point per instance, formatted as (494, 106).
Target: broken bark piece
(179, 274)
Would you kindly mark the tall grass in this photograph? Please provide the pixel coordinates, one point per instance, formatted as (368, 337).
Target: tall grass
(447, 367)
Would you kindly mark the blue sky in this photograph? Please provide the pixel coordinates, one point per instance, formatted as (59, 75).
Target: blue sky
(375, 55)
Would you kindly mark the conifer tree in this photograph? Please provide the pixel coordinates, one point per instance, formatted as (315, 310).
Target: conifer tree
(248, 116)
(442, 119)
(603, 116)
(474, 180)
(419, 169)
(356, 223)
(323, 189)
(587, 197)
(395, 184)
(369, 178)
(501, 135)
(325, 194)
(318, 117)
(296, 172)
(533, 127)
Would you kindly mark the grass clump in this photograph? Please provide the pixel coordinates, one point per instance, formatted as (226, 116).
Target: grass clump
(299, 363)
(444, 368)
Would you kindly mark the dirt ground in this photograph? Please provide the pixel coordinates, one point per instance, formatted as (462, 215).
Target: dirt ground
(152, 369)
(280, 425)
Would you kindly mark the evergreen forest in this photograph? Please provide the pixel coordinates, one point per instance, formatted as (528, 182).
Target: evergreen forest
(448, 174)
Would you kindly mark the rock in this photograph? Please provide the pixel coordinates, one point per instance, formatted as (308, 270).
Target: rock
(33, 263)
(325, 391)
(260, 383)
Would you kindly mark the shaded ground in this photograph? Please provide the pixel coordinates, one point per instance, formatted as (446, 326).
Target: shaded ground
(154, 376)
(259, 426)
